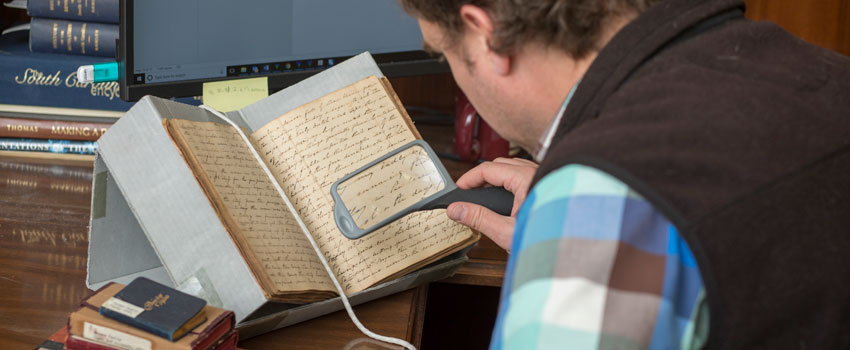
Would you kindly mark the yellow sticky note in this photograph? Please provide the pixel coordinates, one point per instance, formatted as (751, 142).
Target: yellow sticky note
(230, 95)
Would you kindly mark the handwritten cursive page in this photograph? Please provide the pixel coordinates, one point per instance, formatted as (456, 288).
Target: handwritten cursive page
(265, 231)
(390, 186)
(312, 146)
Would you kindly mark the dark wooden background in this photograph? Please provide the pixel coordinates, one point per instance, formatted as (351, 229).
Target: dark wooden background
(822, 22)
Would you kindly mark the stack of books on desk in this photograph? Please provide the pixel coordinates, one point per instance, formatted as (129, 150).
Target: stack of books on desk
(147, 315)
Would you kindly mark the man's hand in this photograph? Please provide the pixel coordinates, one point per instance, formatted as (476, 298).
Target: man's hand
(514, 175)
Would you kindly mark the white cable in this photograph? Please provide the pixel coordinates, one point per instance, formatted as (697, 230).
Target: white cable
(304, 229)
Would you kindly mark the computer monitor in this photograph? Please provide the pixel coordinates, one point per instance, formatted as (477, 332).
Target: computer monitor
(169, 48)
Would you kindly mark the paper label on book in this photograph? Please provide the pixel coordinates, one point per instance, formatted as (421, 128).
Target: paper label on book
(123, 307)
(115, 338)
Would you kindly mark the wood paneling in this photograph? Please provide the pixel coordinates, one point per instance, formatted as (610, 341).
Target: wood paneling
(435, 91)
(821, 22)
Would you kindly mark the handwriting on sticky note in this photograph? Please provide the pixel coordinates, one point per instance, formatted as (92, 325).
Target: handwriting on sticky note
(231, 95)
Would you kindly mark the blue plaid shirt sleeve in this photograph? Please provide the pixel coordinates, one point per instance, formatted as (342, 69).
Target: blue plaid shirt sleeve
(596, 266)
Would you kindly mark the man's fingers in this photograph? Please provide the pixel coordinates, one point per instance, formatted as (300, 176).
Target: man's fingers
(479, 176)
(496, 174)
(515, 161)
(499, 228)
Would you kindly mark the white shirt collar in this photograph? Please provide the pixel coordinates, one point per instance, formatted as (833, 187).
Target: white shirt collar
(546, 140)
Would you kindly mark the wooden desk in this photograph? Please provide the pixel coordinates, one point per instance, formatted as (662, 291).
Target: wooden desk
(44, 214)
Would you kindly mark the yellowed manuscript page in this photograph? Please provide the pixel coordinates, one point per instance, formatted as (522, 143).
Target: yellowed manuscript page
(264, 230)
(314, 145)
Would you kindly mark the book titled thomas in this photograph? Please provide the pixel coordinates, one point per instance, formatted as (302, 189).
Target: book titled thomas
(156, 308)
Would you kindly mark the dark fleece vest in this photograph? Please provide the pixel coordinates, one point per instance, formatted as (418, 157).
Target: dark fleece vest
(740, 133)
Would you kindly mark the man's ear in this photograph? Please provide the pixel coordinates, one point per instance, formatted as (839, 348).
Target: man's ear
(479, 27)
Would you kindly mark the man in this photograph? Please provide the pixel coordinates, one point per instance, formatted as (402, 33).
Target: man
(693, 186)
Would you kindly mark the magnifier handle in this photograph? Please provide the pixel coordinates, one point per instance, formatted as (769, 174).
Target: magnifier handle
(496, 199)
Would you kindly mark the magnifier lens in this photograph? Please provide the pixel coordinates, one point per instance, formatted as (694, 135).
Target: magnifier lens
(390, 186)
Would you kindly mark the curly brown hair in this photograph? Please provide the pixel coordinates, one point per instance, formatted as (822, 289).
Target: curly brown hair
(575, 26)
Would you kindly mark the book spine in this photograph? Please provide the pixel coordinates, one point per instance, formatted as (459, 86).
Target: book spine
(52, 146)
(51, 129)
(50, 80)
(104, 11)
(135, 323)
(60, 185)
(88, 326)
(73, 37)
(218, 329)
(29, 168)
(228, 342)
(45, 190)
(78, 343)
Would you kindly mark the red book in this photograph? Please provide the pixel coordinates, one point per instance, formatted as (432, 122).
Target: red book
(55, 341)
(228, 342)
(79, 343)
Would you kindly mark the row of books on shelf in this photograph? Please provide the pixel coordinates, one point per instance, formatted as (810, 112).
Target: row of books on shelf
(45, 111)
(81, 27)
(145, 315)
(51, 136)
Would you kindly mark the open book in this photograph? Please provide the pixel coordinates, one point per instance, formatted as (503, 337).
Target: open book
(307, 149)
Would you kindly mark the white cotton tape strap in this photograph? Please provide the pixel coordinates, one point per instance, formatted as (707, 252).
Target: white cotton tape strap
(304, 229)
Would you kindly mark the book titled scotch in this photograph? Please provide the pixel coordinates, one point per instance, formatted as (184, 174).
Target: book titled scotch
(307, 149)
(156, 308)
(92, 327)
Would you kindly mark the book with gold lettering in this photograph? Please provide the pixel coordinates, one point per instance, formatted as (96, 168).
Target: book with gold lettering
(92, 327)
(53, 35)
(52, 146)
(42, 85)
(102, 11)
(51, 129)
(208, 220)
(156, 308)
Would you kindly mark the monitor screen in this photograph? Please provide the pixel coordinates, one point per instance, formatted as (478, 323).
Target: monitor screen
(169, 48)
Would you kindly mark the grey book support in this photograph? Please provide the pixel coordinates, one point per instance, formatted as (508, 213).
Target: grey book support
(150, 216)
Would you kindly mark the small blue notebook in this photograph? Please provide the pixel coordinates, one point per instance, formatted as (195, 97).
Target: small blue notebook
(156, 308)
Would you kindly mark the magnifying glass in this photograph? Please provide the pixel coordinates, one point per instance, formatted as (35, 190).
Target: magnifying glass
(408, 179)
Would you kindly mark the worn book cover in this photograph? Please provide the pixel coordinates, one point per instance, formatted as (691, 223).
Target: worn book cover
(87, 323)
(56, 341)
(181, 187)
(156, 308)
(79, 343)
(307, 149)
(51, 129)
